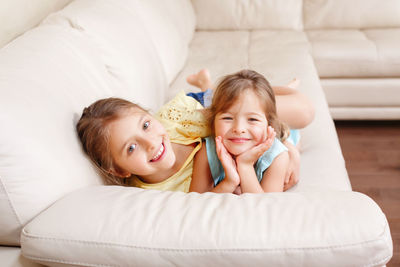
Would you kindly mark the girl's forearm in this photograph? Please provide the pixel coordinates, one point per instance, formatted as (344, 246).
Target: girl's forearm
(225, 186)
(248, 180)
(274, 177)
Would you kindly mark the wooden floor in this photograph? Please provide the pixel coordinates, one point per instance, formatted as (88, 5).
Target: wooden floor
(372, 154)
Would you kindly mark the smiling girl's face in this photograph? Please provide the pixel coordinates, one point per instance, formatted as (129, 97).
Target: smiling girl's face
(243, 125)
(140, 145)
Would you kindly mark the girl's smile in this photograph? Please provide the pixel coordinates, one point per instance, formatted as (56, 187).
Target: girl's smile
(160, 154)
(238, 140)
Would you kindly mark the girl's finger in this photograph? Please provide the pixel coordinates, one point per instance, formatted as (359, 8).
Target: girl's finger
(287, 178)
(261, 148)
(221, 145)
(221, 150)
(265, 135)
(271, 132)
(218, 146)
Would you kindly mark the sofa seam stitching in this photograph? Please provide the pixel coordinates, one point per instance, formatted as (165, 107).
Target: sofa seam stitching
(202, 250)
(67, 261)
(96, 243)
(108, 265)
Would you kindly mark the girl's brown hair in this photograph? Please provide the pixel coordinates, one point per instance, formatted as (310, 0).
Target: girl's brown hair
(93, 131)
(229, 90)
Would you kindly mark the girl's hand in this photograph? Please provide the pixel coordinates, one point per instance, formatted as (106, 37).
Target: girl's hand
(293, 173)
(250, 156)
(228, 163)
(238, 191)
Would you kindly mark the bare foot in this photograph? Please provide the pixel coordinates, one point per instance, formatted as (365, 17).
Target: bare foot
(294, 83)
(201, 80)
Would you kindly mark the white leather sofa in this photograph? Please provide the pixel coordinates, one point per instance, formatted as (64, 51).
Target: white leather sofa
(55, 210)
(355, 47)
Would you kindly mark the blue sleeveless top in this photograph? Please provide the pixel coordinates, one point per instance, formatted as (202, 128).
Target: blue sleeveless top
(262, 164)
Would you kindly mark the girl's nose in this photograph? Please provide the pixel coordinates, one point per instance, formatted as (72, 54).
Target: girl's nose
(149, 143)
(239, 127)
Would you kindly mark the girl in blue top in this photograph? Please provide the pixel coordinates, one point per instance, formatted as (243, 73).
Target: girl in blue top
(246, 152)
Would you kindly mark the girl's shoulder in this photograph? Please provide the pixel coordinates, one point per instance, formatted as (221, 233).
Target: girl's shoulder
(181, 102)
(183, 120)
(268, 157)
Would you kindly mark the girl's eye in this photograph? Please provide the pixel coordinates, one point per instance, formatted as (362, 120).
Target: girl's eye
(253, 119)
(146, 125)
(227, 118)
(131, 148)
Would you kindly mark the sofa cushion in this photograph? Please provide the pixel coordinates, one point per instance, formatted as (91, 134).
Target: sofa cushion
(120, 226)
(18, 17)
(225, 52)
(48, 76)
(371, 92)
(363, 98)
(11, 257)
(365, 113)
(356, 53)
(110, 26)
(168, 25)
(351, 14)
(41, 158)
(245, 15)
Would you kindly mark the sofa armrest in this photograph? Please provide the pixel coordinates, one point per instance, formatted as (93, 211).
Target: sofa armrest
(120, 226)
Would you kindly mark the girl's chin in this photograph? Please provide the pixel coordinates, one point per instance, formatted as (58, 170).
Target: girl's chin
(236, 152)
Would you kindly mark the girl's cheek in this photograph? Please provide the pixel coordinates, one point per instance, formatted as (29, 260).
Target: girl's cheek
(217, 129)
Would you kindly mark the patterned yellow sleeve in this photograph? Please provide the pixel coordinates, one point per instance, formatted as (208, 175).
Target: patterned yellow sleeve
(182, 119)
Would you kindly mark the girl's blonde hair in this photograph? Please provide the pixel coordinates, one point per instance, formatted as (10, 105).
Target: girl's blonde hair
(229, 90)
(93, 132)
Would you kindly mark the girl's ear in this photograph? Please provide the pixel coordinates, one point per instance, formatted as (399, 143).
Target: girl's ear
(119, 174)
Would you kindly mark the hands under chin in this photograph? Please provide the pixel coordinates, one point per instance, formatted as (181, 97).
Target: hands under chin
(250, 156)
(247, 158)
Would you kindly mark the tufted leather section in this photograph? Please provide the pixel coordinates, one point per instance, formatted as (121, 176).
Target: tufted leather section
(369, 92)
(249, 14)
(16, 17)
(356, 53)
(350, 14)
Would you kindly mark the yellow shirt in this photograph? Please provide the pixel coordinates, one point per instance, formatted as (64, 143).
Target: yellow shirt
(185, 125)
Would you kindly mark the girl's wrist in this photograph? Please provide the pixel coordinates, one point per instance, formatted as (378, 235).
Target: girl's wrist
(244, 165)
(245, 169)
(233, 181)
(230, 184)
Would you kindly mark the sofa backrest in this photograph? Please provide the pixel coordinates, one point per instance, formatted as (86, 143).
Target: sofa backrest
(90, 50)
(16, 17)
(171, 25)
(351, 14)
(248, 14)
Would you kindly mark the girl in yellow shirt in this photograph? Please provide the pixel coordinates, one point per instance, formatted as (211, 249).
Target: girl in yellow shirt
(131, 147)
